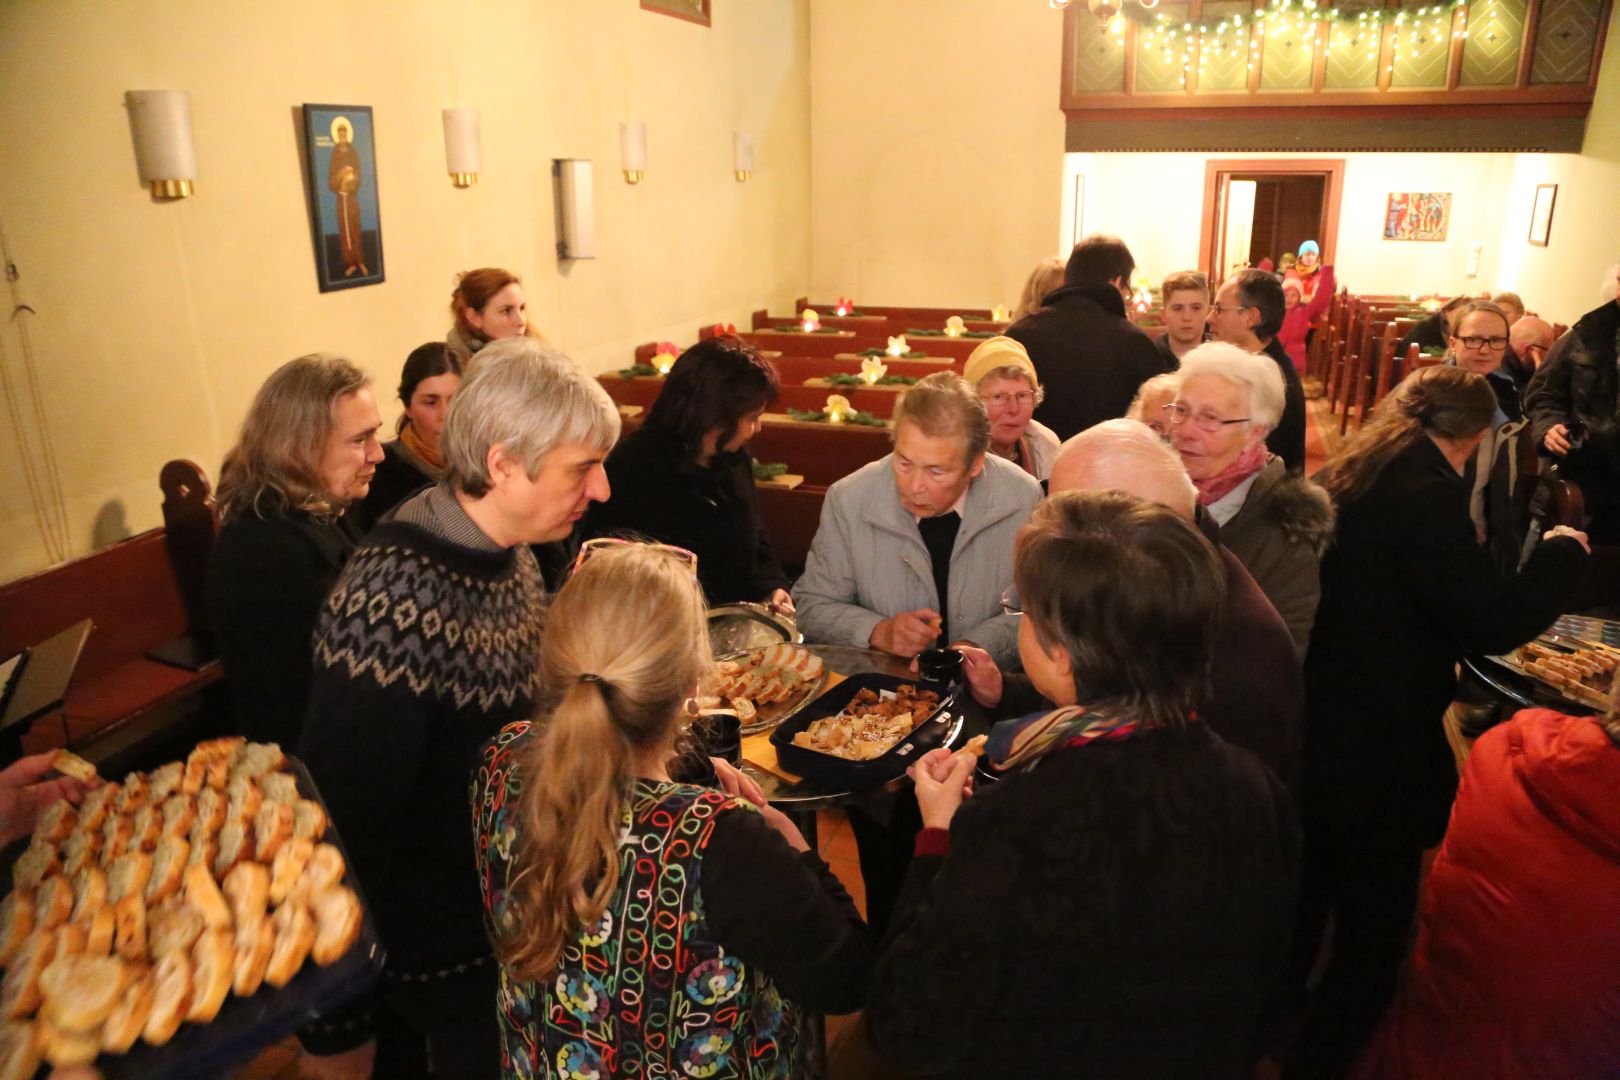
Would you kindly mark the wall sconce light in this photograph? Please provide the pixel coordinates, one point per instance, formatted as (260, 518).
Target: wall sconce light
(742, 154)
(633, 148)
(160, 123)
(576, 219)
(463, 154)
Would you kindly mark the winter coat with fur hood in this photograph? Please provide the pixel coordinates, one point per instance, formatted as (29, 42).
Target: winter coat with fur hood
(1279, 533)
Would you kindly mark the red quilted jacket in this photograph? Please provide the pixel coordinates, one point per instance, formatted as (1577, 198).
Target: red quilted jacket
(1516, 972)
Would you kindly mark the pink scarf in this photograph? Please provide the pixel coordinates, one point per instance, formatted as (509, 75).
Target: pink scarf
(1251, 461)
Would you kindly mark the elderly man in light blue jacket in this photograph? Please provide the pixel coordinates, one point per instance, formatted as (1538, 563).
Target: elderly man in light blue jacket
(916, 550)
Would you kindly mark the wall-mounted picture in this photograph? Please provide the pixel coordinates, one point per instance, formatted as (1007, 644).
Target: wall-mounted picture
(1541, 214)
(691, 10)
(1417, 215)
(342, 153)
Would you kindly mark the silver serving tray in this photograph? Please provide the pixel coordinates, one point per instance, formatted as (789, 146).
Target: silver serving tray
(740, 628)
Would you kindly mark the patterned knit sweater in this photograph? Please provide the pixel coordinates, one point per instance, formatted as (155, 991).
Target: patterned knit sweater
(425, 649)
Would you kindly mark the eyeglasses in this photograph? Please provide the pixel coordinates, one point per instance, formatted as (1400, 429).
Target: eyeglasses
(1219, 308)
(1022, 397)
(1010, 603)
(601, 544)
(1179, 414)
(1495, 344)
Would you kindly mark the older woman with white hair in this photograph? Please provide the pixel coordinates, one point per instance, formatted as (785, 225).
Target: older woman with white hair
(1001, 371)
(1277, 524)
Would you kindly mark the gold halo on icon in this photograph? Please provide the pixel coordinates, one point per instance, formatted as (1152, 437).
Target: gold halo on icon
(341, 123)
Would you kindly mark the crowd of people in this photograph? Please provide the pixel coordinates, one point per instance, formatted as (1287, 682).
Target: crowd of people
(1215, 686)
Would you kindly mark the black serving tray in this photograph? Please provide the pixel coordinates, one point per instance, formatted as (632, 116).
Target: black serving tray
(837, 772)
(244, 1026)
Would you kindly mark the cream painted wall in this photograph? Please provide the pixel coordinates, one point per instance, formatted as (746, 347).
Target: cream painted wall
(937, 143)
(156, 322)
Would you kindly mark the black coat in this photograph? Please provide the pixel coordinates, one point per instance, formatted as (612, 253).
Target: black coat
(1090, 359)
(1578, 381)
(711, 512)
(1429, 333)
(1406, 591)
(397, 479)
(267, 579)
(1118, 909)
(1287, 439)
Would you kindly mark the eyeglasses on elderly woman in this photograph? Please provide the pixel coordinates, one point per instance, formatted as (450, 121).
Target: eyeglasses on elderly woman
(1177, 414)
(1002, 400)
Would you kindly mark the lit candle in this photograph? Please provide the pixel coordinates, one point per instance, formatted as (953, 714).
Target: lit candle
(999, 313)
(812, 321)
(837, 408)
(954, 326)
(845, 305)
(663, 362)
(873, 369)
(897, 346)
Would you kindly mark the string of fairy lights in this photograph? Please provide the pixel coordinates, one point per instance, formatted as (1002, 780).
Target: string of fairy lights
(1244, 33)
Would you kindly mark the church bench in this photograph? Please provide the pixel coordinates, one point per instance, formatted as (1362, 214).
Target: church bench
(927, 314)
(644, 391)
(791, 517)
(822, 453)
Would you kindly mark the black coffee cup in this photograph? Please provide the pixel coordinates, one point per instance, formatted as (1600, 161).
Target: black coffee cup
(940, 666)
(719, 735)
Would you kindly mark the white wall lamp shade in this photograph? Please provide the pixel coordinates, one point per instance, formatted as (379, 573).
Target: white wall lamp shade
(576, 219)
(160, 123)
(633, 149)
(462, 148)
(742, 154)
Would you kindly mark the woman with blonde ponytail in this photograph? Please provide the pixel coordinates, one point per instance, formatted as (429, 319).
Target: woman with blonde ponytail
(1406, 591)
(646, 926)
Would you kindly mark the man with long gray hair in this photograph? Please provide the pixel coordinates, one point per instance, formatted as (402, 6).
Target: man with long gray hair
(428, 644)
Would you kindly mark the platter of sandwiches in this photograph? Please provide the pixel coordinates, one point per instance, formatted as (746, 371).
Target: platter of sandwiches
(178, 909)
(1579, 671)
(871, 724)
(762, 686)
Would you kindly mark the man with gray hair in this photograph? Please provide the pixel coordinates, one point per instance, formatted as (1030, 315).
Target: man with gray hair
(1257, 697)
(427, 645)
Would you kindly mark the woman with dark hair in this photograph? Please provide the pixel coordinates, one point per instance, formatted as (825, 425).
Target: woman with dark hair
(686, 478)
(412, 461)
(1113, 906)
(307, 453)
(1406, 590)
(486, 305)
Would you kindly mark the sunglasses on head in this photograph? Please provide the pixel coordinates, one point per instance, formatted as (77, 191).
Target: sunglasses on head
(600, 544)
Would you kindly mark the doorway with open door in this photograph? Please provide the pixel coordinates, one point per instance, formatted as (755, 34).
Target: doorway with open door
(1258, 209)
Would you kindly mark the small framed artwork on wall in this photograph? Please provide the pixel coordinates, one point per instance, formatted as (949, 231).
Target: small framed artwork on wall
(691, 10)
(1541, 214)
(341, 151)
(1417, 215)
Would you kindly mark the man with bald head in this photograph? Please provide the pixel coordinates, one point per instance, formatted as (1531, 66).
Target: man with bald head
(1529, 338)
(1256, 694)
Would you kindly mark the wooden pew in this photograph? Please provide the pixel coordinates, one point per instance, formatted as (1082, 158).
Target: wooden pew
(791, 517)
(644, 391)
(142, 594)
(830, 345)
(927, 314)
(822, 453)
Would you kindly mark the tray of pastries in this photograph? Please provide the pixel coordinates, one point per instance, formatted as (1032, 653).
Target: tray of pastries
(867, 730)
(175, 922)
(1579, 671)
(763, 686)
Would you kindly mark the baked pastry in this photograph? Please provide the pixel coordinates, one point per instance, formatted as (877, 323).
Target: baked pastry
(243, 798)
(132, 796)
(19, 1051)
(169, 864)
(337, 923)
(34, 866)
(213, 962)
(128, 875)
(97, 804)
(129, 1013)
(89, 891)
(163, 783)
(82, 851)
(171, 997)
(225, 747)
(204, 895)
(65, 1048)
(234, 846)
(256, 759)
(129, 927)
(279, 787)
(272, 827)
(254, 944)
(16, 923)
(68, 763)
(206, 767)
(19, 991)
(56, 822)
(309, 820)
(53, 903)
(178, 814)
(173, 925)
(100, 930)
(202, 851)
(288, 867)
(295, 936)
(210, 810)
(71, 940)
(247, 887)
(146, 827)
(80, 991)
(116, 832)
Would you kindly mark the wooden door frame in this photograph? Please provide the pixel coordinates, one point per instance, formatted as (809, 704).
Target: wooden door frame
(1330, 168)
